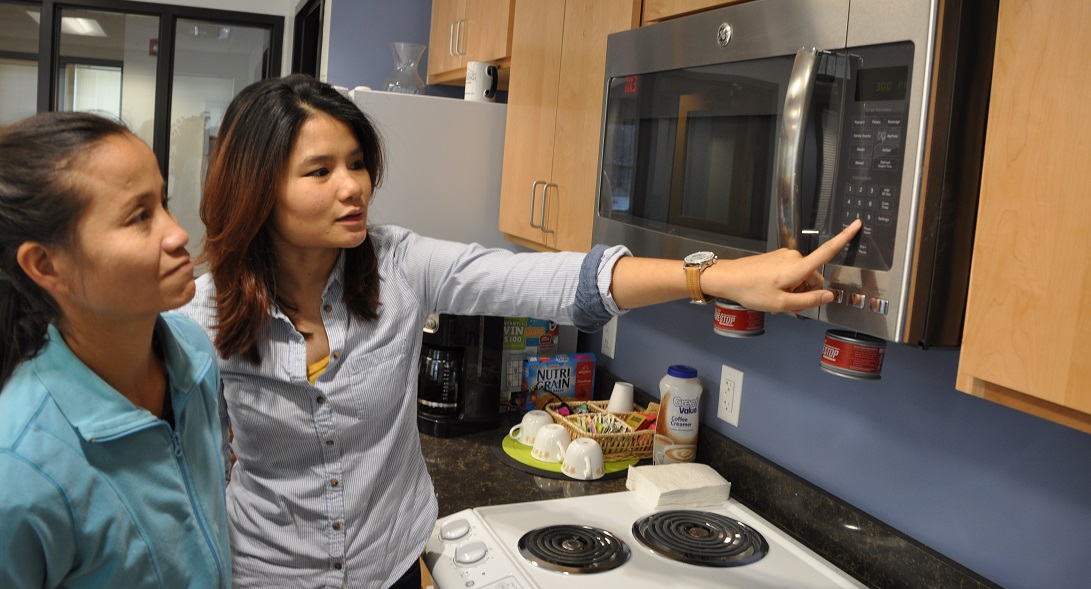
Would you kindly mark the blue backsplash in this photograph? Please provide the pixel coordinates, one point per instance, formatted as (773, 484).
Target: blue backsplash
(1003, 493)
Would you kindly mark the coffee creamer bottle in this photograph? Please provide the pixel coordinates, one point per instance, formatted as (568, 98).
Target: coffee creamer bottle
(679, 413)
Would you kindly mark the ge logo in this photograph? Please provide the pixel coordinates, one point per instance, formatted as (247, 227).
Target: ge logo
(723, 35)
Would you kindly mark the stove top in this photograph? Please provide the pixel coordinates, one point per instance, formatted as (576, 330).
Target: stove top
(614, 540)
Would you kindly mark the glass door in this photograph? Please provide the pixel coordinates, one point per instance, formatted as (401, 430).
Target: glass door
(18, 59)
(212, 62)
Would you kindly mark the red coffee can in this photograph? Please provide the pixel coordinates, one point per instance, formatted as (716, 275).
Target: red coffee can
(734, 320)
(853, 355)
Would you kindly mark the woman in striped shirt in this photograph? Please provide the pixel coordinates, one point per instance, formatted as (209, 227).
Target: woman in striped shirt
(317, 320)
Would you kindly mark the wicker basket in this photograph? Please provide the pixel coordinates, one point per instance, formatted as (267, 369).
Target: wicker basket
(625, 445)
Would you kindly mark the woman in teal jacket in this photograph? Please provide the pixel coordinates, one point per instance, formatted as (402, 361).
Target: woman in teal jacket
(111, 451)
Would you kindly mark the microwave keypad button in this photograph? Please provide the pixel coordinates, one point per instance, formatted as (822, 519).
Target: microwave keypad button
(867, 230)
(858, 122)
(871, 191)
(877, 305)
(886, 191)
(860, 150)
(892, 135)
(856, 162)
(857, 300)
(886, 150)
(863, 250)
(875, 122)
(863, 135)
(870, 204)
(886, 206)
(897, 122)
(884, 220)
(886, 163)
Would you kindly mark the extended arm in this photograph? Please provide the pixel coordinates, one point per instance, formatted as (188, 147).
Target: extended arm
(782, 280)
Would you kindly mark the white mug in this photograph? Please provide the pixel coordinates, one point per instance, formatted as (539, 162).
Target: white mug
(525, 431)
(481, 80)
(551, 442)
(621, 399)
(583, 460)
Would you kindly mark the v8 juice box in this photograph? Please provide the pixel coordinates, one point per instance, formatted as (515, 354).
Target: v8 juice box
(523, 337)
(571, 376)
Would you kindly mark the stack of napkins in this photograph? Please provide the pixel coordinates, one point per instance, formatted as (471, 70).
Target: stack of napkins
(678, 485)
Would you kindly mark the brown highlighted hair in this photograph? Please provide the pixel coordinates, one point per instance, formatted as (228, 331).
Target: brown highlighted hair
(40, 201)
(256, 139)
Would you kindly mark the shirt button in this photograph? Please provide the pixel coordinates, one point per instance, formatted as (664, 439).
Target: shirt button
(337, 565)
(327, 308)
(333, 483)
(337, 355)
(329, 442)
(321, 399)
(337, 525)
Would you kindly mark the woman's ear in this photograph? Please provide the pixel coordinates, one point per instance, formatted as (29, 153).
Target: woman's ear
(36, 260)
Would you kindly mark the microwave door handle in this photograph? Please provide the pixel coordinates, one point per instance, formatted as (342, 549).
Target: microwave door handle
(788, 166)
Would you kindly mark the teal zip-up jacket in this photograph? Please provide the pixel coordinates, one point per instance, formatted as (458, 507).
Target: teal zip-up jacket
(97, 492)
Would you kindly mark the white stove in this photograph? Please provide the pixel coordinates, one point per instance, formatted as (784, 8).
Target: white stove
(495, 547)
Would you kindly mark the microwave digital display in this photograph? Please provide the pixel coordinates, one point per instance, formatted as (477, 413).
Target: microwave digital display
(882, 83)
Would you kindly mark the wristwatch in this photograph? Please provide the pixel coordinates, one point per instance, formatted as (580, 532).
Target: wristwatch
(694, 264)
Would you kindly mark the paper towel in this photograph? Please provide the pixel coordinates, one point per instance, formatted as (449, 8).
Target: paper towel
(681, 485)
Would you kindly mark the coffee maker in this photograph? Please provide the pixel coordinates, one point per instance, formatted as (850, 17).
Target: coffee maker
(458, 387)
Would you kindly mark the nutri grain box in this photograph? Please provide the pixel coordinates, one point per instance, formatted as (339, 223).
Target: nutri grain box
(570, 376)
(523, 337)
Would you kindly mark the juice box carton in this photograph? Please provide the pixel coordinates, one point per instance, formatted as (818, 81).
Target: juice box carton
(571, 376)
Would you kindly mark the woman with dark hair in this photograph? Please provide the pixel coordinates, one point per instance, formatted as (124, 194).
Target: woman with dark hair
(111, 452)
(317, 319)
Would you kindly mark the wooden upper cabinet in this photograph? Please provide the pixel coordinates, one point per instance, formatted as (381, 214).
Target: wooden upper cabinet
(1027, 339)
(657, 10)
(558, 56)
(468, 30)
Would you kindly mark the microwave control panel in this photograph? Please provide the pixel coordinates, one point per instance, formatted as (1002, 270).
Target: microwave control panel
(872, 153)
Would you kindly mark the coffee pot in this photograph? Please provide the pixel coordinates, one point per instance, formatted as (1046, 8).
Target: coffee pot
(458, 386)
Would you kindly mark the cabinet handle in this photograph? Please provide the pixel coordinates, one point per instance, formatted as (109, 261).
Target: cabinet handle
(451, 40)
(458, 37)
(533, 195)
(545, 195)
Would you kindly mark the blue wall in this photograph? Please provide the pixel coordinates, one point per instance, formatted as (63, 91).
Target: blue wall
(1003, 493)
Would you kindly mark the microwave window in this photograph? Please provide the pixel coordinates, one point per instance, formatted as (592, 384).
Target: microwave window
(690, 152)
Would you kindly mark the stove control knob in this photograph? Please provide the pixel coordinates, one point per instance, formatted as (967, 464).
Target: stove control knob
(470, 553)
(455, 529)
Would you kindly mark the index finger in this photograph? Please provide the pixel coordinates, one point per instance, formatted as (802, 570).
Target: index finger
(825, 252)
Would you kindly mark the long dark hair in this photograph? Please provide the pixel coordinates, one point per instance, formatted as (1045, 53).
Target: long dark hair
(40, 201)
(256, 139)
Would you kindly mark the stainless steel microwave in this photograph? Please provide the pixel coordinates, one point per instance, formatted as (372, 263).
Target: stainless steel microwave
(775, 123)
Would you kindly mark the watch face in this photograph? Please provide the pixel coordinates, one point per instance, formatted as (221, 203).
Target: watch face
(699, 257)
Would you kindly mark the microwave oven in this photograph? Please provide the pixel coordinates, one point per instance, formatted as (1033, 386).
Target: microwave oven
(775, 123)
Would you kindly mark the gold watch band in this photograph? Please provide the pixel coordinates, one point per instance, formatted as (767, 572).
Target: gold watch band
(693, 284)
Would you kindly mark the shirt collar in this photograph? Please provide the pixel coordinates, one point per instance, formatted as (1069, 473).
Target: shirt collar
(97, 410)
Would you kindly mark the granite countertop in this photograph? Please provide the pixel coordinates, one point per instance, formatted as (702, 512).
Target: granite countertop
(466, 472)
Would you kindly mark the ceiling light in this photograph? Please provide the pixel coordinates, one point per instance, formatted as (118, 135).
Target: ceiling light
(87, 27)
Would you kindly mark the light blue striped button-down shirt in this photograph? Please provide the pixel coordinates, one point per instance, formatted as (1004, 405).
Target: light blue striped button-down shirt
(330, 487)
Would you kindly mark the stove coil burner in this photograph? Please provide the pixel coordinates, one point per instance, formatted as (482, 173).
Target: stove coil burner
(700, 538)
(573, 549)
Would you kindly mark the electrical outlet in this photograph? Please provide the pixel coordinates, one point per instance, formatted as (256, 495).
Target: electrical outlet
(609, 337)
(730, 395)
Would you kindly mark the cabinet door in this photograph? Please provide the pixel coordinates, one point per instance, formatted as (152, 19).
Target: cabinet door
(464, 31)
(656, 10)
(443, 55)
(1028, 318)
(487, 30)
(570, 204)
(532, 117)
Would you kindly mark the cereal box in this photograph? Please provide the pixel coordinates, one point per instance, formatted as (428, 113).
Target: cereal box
(564, 375)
